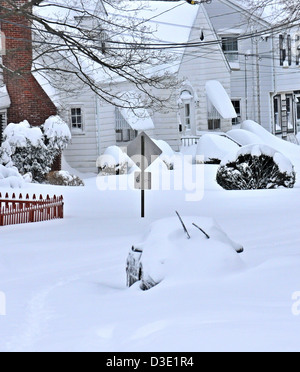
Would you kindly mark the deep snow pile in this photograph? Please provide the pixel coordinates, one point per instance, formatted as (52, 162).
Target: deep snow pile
(289, 149)
(10, 177)
(244, 137)
(256, 167)
(214, 148)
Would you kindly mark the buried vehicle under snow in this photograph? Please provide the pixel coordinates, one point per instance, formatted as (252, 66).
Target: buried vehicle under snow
(202, 248)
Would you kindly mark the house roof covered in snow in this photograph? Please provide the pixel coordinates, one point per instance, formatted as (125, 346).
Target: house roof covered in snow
(169, 22)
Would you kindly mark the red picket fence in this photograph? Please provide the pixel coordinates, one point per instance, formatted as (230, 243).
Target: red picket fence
(15, 211)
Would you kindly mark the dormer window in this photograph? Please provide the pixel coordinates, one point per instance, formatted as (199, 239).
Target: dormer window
(230, 46)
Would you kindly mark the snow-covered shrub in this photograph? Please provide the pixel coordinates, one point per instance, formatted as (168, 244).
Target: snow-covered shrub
(256, 167)
(5, 155)
(214, 147)
(63, 178)
(33, 149)
(57, 134)
(28, 151)
(168, 155)
(10, 177)
(114, 162)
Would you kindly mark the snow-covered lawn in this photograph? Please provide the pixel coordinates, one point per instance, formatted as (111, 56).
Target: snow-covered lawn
(64, 281)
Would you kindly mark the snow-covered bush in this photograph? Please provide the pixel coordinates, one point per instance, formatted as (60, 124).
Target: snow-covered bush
(10, 177)
(33, 149)
(256, 167)
(5, 155)
(114, 162)
(63, 178)
(214, 147)
(57, 134)
(168, 155)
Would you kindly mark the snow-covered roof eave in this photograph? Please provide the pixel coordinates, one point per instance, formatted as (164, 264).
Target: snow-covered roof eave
(220, 99)
(5, 101)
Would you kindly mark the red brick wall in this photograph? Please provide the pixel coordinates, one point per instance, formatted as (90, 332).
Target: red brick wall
(28, 100)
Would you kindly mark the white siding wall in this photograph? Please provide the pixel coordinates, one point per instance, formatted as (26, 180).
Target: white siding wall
(287, 79)
(202, 64)
(82, 153)
(225, 16)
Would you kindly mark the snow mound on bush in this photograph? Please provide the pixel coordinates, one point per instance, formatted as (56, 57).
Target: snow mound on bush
(214, 148)
(57, 132)
(64, 178)
(20, 134)
(244, 137)
(10, 177)
(114, 162)
(256, 167)
(282, 162)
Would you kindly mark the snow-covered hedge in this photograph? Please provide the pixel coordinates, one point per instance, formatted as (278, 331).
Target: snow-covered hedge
(10, 177)
(64, 178)
(34, 149)
(114, 162)
(256, 167)
(214, 147)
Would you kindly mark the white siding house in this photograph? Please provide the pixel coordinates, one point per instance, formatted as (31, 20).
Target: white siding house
(250, 55)
(96, 124)
(286, 97)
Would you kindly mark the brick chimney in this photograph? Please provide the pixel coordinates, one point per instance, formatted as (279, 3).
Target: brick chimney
(28, 100)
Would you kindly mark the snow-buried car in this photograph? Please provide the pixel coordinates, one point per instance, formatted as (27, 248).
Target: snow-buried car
(202, 249)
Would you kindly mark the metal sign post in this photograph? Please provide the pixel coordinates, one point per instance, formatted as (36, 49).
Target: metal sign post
(143, 152)
(143, 176)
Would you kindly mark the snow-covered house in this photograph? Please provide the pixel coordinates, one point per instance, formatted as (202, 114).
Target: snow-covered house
(200, 103)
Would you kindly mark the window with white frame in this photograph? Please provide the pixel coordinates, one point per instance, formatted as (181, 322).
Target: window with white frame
(187, 99)
(124, 132)
(285, 50)
(290, 113)
(238, 109)
(76, 119)
(277, 114)
(230, 46)
(187, 116)
(297, 48)
(214, 118)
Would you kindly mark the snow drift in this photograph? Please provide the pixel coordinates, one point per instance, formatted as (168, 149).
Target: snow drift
(214, 148)
(10, 177)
